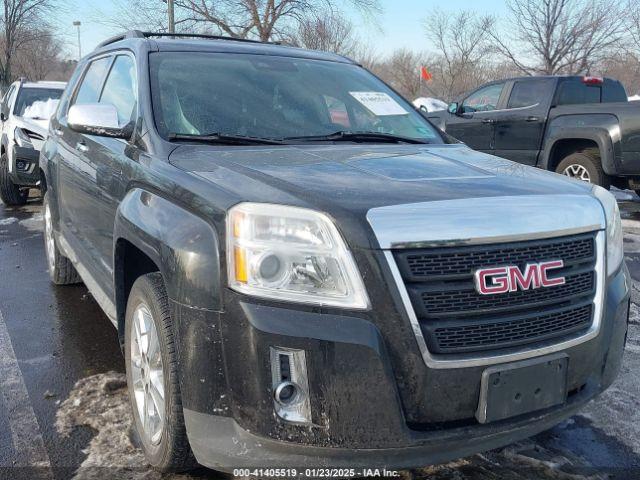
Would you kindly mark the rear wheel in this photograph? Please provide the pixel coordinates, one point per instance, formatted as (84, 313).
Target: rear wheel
(152, 376)
(61, 270)
(585, 166)
(10, 193)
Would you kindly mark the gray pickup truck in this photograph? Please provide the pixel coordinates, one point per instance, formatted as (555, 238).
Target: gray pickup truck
(304, 273)
(582, 127)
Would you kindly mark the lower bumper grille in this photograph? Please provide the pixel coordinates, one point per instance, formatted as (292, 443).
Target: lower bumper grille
(455, 318)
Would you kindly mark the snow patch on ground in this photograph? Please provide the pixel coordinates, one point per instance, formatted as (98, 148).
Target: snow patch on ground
(622, 194)
(101, 402)
(431, 104)
(8, 221)
(617, 411)
(634, 98)
(34, 224)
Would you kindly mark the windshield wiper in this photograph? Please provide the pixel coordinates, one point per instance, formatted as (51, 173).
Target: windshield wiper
(347, 136)
(224, 139)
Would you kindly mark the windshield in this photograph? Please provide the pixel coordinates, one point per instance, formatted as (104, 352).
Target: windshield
(275, 97)
(37, 102)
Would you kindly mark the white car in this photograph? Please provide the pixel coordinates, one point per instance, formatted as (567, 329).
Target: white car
(25, 112)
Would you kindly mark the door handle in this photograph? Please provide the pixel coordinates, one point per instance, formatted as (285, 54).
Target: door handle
(532, 119)
(81, 146)
(488, 120)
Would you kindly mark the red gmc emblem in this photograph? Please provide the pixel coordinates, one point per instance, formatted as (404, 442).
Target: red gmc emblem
(491, 281)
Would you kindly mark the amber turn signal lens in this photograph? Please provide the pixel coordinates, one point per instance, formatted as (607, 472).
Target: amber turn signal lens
(240, 264)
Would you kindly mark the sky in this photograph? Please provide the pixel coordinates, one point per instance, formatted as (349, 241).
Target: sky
(399, 25)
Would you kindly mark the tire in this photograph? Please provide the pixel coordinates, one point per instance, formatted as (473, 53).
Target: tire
(587, 163)
(61, 270)
(168, 450)
(10, 193)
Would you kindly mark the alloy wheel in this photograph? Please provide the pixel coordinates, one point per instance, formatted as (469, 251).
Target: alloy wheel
(578, 172)
(48, 239)
(147, 374)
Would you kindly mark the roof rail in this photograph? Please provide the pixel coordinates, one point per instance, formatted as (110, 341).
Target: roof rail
(121, 36)
(139, 34)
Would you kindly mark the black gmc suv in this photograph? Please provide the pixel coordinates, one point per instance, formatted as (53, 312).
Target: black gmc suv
(304, 273)
(582, 127)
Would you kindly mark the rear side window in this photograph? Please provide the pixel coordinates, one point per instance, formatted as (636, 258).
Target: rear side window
(120, 88)
(613, 91)
(574, 92)
(89, 91)
(527, 93)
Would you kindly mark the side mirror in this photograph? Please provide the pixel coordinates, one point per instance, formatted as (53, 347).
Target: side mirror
(3, 117)
(98, 119)
(454, 108)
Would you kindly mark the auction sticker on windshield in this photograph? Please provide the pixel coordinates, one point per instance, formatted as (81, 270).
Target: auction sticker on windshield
(379, 103)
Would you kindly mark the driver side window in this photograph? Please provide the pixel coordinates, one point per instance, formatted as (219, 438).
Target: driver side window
(483, 100)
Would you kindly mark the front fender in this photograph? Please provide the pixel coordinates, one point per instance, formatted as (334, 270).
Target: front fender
(603, 129)
(183, 245)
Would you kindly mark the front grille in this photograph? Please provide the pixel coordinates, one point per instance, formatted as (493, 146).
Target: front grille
(522, 330)
(455, 318)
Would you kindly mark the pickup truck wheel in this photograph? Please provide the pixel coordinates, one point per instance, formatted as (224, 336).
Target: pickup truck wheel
(152, 377)
(585, 166)
(10, 193)
(61, 270)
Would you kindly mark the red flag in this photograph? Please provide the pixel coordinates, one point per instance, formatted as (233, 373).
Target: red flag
(424, 73)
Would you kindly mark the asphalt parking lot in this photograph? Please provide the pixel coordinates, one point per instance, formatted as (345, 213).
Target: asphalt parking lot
(64, 412)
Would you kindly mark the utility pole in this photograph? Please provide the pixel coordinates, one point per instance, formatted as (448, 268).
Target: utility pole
(172, 20)
(77, 25)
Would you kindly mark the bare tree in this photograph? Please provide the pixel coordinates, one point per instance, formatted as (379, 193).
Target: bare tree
(329, 32)
(23, 21)
(559, 36)
(461, 50)
(401, 70)
(39, 58)
(263, 19)
(260, 19)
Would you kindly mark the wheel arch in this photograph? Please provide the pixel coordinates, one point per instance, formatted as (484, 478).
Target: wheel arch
(151, 233)
(564, 147)
(568, 134)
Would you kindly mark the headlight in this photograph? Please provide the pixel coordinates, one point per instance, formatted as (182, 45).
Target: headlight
(290, 253)
(615, 252)
(21, 138)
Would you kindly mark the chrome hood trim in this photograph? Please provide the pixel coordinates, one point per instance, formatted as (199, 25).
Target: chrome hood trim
(486, 221)
(470, 221)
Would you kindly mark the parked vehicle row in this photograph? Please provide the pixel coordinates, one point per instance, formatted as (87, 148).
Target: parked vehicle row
(24, 114)
(582, 127)
(303, 271)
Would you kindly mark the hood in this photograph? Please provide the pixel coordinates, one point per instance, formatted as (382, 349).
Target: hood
(39, 126)
(350, 180)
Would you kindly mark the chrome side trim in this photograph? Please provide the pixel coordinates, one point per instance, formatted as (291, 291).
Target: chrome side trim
(473, 221)
(438, 362)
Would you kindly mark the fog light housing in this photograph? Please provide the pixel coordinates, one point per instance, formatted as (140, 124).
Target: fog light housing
(22, 165)
(290, 385)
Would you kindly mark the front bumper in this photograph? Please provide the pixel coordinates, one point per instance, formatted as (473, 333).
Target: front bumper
(364, 383)
(24, 168)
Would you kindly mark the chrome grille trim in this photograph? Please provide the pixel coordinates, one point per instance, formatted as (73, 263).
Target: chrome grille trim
(476, 360)
(438, 224)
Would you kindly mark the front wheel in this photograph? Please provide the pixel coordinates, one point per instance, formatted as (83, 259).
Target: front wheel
(152, 377)
(10, 193)
(61, 270)
(585, 166)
